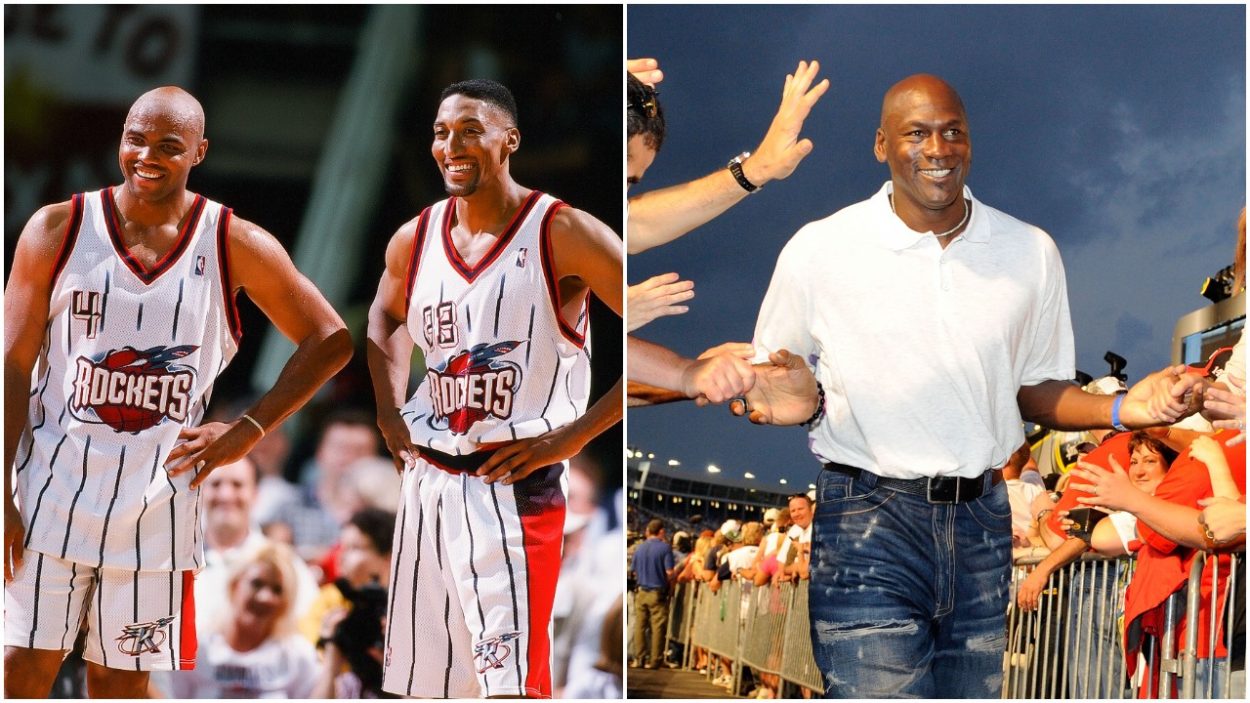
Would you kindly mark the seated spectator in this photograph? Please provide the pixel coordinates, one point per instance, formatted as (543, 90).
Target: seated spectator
(348, 634)
(253, 651)
(230, 536)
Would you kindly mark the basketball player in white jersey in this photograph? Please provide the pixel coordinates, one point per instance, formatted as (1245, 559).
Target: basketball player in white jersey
(492, 284)
(119, 314)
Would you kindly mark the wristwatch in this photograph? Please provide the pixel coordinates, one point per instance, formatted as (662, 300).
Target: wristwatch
(735, 167)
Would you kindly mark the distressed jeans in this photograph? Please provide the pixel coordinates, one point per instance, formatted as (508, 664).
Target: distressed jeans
(908, 599)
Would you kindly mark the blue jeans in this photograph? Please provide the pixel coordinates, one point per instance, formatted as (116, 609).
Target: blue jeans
(908, 598)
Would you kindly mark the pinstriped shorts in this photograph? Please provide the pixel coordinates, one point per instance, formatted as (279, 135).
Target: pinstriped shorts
(473, 582)
(135, 620)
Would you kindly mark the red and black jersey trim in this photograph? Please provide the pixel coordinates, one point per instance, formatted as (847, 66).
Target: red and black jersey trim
(553, 288)
(170, 257)
(414, 259)
(71, 236)
(229, 296)
(467, 272)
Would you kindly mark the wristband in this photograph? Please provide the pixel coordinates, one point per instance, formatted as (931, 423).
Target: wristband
(810, 422)
(1115, 413)
(252, 420)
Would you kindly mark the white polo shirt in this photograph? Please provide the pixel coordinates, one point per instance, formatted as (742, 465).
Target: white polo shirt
(921, 350)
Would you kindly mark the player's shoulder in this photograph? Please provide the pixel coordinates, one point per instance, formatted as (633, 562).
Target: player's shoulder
(47, 227)
(1009, 228)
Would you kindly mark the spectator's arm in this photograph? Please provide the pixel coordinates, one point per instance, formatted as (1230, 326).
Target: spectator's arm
(332, 662)
(1030, 589)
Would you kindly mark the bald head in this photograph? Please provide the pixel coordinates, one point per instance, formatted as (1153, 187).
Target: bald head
(921, 88)
(174, 104)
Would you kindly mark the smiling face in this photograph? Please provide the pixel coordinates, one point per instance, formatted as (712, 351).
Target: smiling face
(162, 139)
(1146, 468)
(472, 142)
(924, 139)
(258, 598)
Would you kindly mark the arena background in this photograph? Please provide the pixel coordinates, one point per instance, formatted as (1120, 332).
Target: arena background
(1119, 130)
(318, 119)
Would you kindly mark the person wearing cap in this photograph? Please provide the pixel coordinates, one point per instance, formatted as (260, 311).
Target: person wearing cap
(918, 388)
(653, 568)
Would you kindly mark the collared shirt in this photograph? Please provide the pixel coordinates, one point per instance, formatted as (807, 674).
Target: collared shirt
(921, 350)
(652, 560)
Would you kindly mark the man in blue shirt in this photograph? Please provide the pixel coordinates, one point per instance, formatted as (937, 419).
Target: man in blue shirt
(653, 568)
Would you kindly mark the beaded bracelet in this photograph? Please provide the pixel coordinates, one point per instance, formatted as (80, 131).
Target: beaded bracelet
(810, 422)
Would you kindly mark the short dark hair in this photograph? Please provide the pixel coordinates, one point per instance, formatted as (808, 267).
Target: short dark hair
(804, 496)
(1140, 438)
(644, 114)
(655, 526)
(486, 90)
(376, 524)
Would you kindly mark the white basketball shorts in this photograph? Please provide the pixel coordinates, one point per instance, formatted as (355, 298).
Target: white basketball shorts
(475, 569)
(135, 620)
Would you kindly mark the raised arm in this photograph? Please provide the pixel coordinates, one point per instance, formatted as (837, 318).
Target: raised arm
(26, 300)
(1158, 399)
(587, 255)
(261, 268)
(389, 347)
(663, 215)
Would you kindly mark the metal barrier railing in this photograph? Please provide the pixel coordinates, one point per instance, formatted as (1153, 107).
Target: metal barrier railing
(1070, 647)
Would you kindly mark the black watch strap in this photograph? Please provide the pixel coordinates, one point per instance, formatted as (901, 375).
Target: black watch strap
(735, 167)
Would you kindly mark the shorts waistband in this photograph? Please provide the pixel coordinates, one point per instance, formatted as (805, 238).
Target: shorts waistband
(452, 462)
(938, 489)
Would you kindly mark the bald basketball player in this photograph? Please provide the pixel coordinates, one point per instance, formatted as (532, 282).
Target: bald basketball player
(119, 315)
(923, 386)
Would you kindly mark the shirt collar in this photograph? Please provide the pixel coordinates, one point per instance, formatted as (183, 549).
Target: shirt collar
(898, 236)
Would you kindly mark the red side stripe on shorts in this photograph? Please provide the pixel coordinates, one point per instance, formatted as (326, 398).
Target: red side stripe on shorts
(187, 642)
(543, 539)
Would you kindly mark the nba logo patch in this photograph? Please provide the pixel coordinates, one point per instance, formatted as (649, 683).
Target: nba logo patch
(521, 256)
(200, 263)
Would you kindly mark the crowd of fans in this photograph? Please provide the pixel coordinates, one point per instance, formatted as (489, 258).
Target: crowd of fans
(756, 554)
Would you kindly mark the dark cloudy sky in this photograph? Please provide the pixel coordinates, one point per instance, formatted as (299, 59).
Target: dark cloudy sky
(1119, 130)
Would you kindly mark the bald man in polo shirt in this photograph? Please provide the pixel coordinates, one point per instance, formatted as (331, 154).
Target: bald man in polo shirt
(934, 323)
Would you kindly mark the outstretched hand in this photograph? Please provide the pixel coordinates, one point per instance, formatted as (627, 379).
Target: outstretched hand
(784, 392)
(1161, 398)
(657, 296)
(210, 445)
(781, 150)
(1227, 408)
(720, 373)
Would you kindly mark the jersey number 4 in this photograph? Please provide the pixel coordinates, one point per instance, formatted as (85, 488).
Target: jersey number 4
(439, 324)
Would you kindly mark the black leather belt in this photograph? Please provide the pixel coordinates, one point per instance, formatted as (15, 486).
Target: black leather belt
(939, 489)
(452, 462)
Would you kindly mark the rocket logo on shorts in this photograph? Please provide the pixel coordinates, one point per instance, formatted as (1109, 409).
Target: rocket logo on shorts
(475, 385)
(132, 390)
(144, 637)
(492, 653)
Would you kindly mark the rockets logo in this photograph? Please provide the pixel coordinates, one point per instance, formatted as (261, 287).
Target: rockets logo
(132, 390)
(475, 385)
(144, 637)
(492, 653)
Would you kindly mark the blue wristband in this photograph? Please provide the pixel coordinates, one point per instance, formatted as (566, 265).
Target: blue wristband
(1115, 413)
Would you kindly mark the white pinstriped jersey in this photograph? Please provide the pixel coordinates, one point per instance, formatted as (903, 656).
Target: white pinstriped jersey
(129, 358)
(501, 363)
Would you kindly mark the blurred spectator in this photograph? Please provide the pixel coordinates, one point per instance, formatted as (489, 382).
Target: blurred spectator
(775, 549)
(681, 546)
(253, 651)
(692, 568)
(604, 680)
(653, 568)
(348, 435)
(1024, 483)
(801, 513)
(346, 621)
(230, 537)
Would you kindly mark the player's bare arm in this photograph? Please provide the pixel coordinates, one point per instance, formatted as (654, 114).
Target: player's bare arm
(389, 347)
(1157, 399)
(26, 299)
(260, 267)
(663, 215)
(587, 255)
